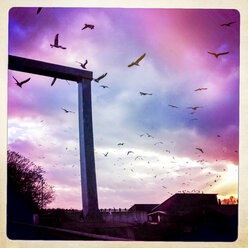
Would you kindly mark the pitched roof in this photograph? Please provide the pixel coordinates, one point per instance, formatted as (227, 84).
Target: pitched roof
(186, 202)
(143, 207)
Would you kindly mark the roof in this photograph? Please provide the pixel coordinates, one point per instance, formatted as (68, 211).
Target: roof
(143, 207)
(186, 202)
(229, 210)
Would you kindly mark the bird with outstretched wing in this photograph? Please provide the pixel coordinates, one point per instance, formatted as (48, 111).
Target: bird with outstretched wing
(144, 94)
(68, 111)
(83, 65)
(22, 82)
(199, 150)
(137, 61)
(199, 89)
(173, 106)
(101, 77)
(227, 24)
(218, 54)
(56, 42)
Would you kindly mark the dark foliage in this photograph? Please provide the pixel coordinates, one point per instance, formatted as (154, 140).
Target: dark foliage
(26, 181)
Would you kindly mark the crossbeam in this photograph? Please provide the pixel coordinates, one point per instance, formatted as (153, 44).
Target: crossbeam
(48, 69)
(87, 160)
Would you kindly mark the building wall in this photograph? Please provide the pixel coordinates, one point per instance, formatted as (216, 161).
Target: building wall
(127, 217)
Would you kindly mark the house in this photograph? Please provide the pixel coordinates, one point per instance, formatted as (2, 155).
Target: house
(196, 217)
(181, 205)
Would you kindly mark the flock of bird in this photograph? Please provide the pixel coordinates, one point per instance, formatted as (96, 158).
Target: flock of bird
(138, 157)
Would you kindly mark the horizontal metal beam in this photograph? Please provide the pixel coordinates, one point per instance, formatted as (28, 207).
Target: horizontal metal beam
(48, 69)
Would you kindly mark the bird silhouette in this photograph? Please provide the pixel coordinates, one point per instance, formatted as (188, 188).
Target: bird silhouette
(90, 26)
(149, 136)
(105, 154)
(38, 10)
(104, 86)
(129, 152)
(218, 135)
(138, 157)
(101, 77)
(218, 54)
(173, 106)
(200, 150)
(201, 89)
(54, 79)
(56, 42)
(227, 24)
(160, 142)
(194, 108)
(68, 111)
(22, 82)
(137, 61)
(121, 144)
(83, 65)
(144, 94)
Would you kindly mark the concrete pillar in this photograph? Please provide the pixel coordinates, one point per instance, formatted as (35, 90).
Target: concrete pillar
(87, 160)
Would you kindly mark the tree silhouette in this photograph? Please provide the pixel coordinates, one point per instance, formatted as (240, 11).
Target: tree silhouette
(26, 182)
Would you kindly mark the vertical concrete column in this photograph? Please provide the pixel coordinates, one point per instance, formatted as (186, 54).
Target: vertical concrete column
(87, 160)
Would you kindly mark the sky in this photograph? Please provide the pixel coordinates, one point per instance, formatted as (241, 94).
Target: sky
(176, 43)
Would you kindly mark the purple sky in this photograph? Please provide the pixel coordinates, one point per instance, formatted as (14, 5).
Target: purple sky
(177, 62)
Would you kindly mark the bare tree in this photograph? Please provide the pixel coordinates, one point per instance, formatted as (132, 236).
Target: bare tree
(26, 180)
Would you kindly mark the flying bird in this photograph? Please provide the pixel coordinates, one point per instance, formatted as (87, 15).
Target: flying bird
(53, 81)
(200, 150)
(227, 24)
(88, 26)
(83, 65)
(120, 144)
(144, 94)
(149, 136)
(201, 89)
(129, 152)
(56, 42)
(38, 10)
(218, 54)
(218, 135)
(194, 108)
(101, 77)
(138, 157)
(105, 154)
(173, 106)
(160, 142)
(137, 61)
(104, 86)
(68, 111)
(22, 82)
